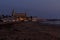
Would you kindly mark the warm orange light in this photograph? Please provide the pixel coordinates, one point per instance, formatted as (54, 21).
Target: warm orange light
(29, 18)
(21, 18)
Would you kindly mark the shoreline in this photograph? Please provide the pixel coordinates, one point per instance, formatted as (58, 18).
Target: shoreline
(31, 29)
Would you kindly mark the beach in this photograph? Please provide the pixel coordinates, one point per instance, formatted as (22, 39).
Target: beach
(29, 31)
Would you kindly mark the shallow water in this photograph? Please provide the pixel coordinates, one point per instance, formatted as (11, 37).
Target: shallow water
(52, 22)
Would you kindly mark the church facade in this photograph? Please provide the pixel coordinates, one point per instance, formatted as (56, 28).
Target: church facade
(22, 17)
(19, 16)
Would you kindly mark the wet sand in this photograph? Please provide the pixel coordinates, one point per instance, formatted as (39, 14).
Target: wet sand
(29, 31)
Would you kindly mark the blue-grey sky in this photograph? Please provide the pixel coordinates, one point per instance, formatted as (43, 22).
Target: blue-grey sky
(40, 8)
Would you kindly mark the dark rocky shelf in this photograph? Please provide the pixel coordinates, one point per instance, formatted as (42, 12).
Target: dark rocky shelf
(29, 31)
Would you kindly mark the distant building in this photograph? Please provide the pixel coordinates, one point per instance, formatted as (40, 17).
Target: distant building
(19, 16)
(8, 19)
(23, 17)
(14, 14)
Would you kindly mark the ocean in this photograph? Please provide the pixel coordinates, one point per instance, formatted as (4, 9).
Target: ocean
(51, 22)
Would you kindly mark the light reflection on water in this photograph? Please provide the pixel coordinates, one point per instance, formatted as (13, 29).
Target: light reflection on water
(52, 22)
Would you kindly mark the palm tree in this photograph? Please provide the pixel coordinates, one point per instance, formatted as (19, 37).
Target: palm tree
(3, 16)
(6, 16)
(31, 18)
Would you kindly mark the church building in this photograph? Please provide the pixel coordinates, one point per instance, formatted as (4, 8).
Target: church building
(19, 16)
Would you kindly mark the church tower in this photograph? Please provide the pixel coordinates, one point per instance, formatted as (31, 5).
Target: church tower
(13, 12)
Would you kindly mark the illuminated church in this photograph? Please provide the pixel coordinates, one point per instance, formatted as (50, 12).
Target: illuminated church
(14, 14)
(19, 16)
(22, 16)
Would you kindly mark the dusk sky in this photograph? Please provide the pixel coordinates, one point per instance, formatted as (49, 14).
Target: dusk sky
(40, 8)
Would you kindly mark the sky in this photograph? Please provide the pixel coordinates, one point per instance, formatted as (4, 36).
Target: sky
(40, 8)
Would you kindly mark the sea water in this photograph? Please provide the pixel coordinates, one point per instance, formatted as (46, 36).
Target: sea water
(51, 22)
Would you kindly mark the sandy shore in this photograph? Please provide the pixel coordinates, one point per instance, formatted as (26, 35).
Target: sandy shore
(29, 31)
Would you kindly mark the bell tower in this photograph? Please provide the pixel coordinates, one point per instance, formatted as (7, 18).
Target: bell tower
(13, 12)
